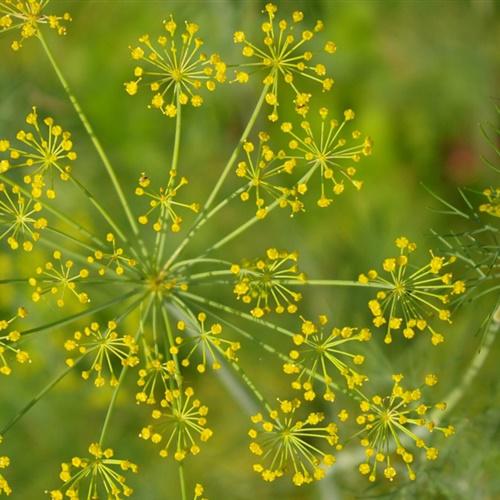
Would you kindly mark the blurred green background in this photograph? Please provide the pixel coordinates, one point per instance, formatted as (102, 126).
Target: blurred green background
(421, 76)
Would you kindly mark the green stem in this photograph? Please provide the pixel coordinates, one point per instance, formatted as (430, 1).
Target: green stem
(74, 317)
(40, 395)
(159, 248)
(13, 280)
(254, 219)
(182, 481)
(234, 155)
(90, 131)
(230, 310)
(338, 283)
(202, 217)
(453, 398)
(200, 224)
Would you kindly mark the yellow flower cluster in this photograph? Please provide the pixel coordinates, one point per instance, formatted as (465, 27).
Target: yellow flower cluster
(9, 338)
(328, 149)
(264, 282)
(411, 297)
(46, 151)
(165, 201)
(207, 342)
(174, 68)
(19, 220)
(283, 57)
(177, 422)
(153, 376)
(319, 351)
(97, 476)
(114, 259)
(25, 16)
(105, 345)
(4, 463)
(492, 207)
(285, 444)
(58, 278)
(389, 423)
(260, 169)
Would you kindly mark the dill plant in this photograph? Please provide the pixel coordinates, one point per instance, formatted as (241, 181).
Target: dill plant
(181, 332)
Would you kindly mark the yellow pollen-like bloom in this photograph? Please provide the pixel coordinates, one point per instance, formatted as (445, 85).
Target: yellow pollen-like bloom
(208, 343)
(328, 149)
(319, 352)
(104, 345)
(58, 278)
(26, 16)
(264, 283)
(176, 423)
(97, 476)
(153, 376)
(174, 68)
(492, 207)
(113, 259)
(47, 151)
(286, 445)
(20, 222)
(387, 421)
(409, 298)
(165, 201)
(283, 57)
(8, 342)
(4, 463)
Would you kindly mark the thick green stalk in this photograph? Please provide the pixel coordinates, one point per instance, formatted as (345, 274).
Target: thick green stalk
(182, 482)
(91, 133)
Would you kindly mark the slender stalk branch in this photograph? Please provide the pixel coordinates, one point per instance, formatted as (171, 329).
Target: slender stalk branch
(39, 396)
(82, 314)
(91, 133)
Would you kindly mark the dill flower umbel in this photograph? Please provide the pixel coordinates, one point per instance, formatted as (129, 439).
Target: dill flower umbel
(175, 68)
(264, 282)
(207, 343)
(165, 201)
(26, 16)
(282, 58)
(19, 219)
(287, 445)
(153, 376)
(328, 149)
(388, 423)
(261, 169)
(58, 278)
(9, 338)
(176, 424)
(97, 476)
(114, 259)
(46, 151)
(105, 345)
(411, 297)
(319, 352)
